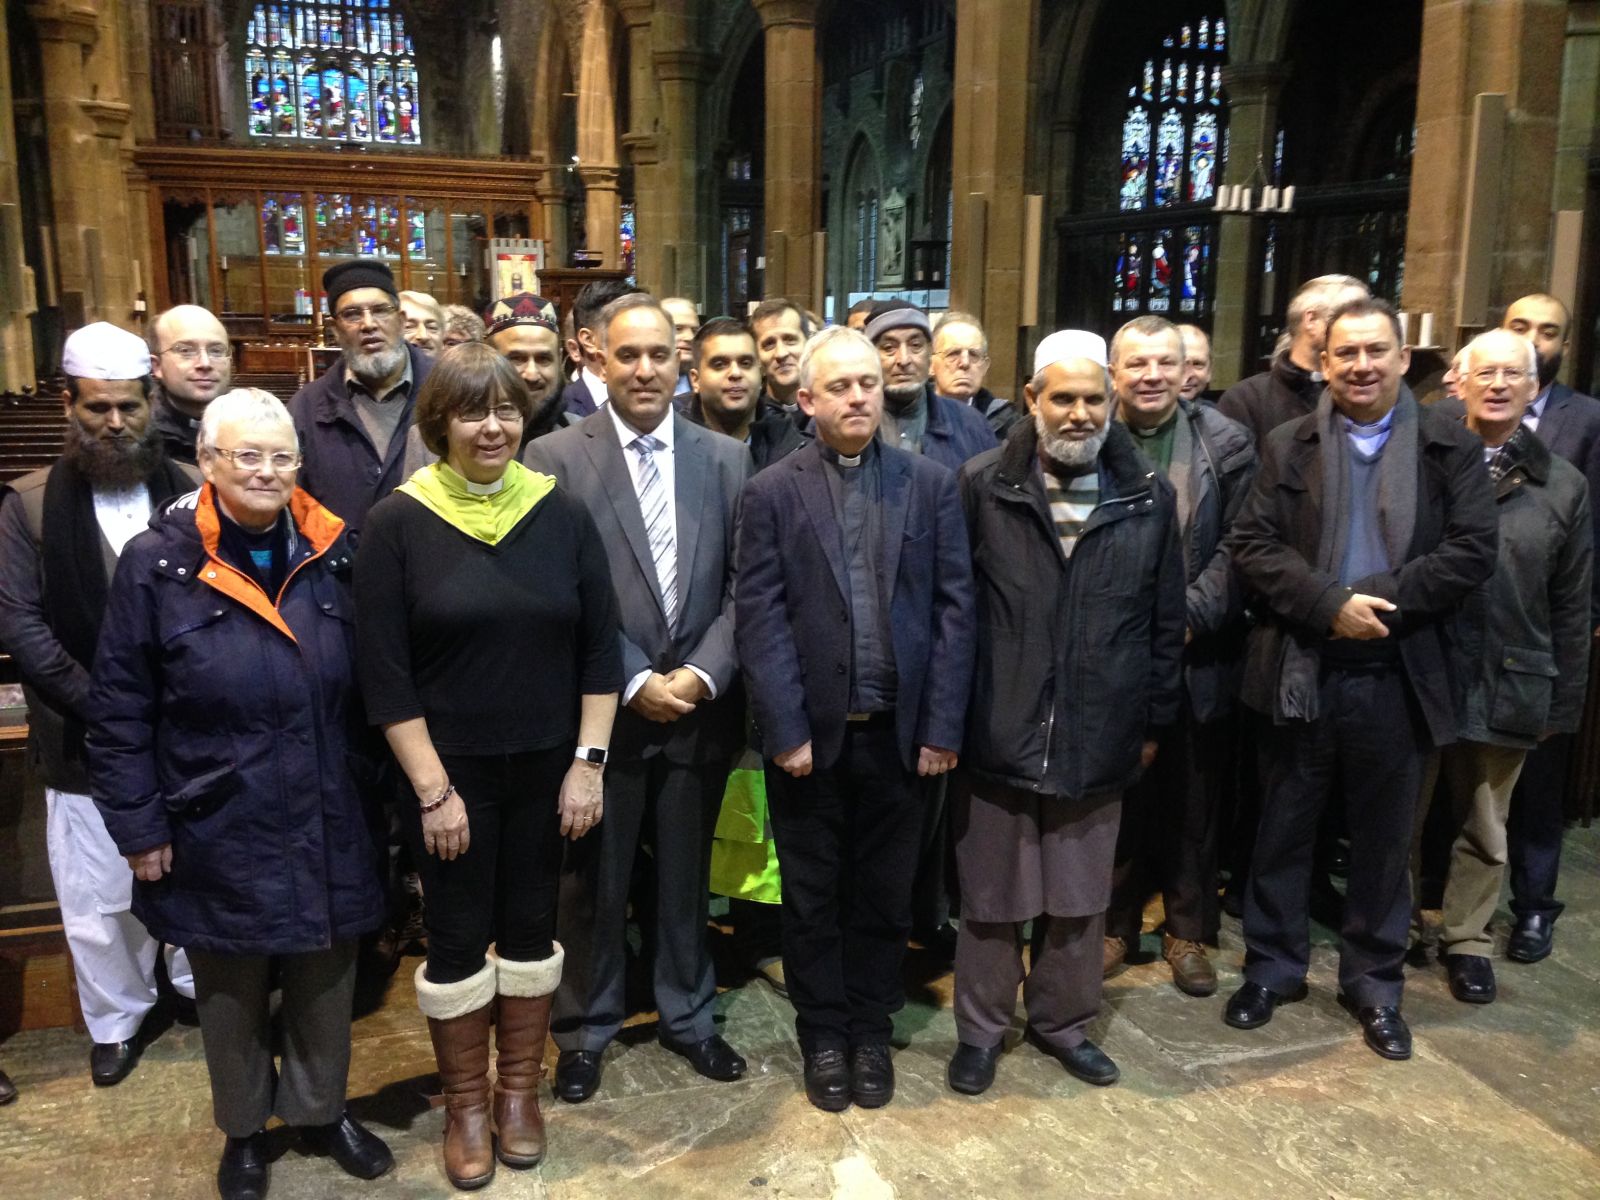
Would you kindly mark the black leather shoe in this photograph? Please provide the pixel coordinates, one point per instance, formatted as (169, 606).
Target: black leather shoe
(242, 1175)
(1471, 978)
(871, 1075)
(1532, 939)
(713, 1058)
(577, 1075)
(1384, 1028)
(8, 1090)
(1252, 1005)
(1085, 1061)
(352, 1145)
(110, 1062)
(971, 1069)
(828, 1080)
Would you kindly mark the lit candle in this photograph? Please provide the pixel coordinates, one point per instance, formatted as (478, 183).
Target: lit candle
(1425, 337)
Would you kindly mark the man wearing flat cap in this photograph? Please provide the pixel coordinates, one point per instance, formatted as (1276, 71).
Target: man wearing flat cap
(61, 531)
(352, 421)
(1080, 602)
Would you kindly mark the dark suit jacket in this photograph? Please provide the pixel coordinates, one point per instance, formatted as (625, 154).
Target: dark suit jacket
(793, 612)
(1570, 428)
(575, 399)
(708, 472)
(1275, 546)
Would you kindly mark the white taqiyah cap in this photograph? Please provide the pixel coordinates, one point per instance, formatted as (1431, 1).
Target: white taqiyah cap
(1065, 344)
(103, 351)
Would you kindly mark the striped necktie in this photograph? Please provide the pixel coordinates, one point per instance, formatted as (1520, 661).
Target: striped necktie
(653, 502)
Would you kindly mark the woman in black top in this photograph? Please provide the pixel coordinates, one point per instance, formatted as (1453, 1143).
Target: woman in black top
(487, 649)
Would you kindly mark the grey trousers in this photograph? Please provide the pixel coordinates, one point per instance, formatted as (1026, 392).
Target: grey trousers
(231, 992)
(1061, 993)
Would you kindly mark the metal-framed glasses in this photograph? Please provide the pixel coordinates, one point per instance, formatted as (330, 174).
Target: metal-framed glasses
(352, 314)
(961, 356)
(283, 461)
(188, 352)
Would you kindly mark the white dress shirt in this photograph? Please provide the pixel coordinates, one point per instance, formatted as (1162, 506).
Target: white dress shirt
(626, 436)
(122, 513)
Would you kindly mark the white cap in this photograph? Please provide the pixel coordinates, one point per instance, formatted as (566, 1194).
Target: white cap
(1068, 344)
(104, 351)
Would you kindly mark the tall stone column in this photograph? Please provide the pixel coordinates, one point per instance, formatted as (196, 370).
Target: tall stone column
(1512, 47)
(86, 122)
(792, 196)
(597, 136)
(550, 189)
(1252, 91)
(640, 143)
(16, 296)
(683, 72)
(993, 86)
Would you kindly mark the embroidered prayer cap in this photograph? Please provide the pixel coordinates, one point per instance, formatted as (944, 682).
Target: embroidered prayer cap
(357, 273)
(105, 351)
(520, 308)
(1065, 345)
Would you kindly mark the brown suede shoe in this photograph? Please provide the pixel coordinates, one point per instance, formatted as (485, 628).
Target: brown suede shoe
(1116, 953)
(1192, 971)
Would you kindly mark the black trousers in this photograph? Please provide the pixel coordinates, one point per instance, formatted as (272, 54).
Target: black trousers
(1534, 829)
(1368, 750)
(503, 889)
(1168, 838)
(671, 807)
(848, 838)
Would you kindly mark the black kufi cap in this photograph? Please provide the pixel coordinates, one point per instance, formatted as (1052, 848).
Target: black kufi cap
(357, 273)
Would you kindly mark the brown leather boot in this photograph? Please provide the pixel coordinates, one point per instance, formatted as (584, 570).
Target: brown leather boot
(458, 1021)
(526, 990)
(1115, 954)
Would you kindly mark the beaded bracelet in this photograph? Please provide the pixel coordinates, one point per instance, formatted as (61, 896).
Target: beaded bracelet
(449, 790)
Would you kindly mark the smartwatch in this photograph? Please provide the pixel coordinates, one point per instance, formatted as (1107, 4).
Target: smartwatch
(595, 755)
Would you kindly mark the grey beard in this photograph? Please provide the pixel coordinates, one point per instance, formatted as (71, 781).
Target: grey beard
(903, 401)
(1069, 452)
(112, 463)
(375, 367)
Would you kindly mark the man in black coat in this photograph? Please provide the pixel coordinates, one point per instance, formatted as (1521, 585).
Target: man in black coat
(1169, 839)
(352, 420)
(727, 397)
(191, 360)
(1290, 387)
(854, 622)
(1080, 600)
(1568, 422)
(1369, 522)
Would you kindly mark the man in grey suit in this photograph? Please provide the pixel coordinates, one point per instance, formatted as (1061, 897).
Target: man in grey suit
(662, 492)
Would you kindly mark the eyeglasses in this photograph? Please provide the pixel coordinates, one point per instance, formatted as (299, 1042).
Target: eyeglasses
(962, 356)
(283, 461)
(353, 314)
(188, 352)
(1487, 375)
(504, 413)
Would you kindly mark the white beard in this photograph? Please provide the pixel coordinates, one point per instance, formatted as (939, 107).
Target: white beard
(1072, 453)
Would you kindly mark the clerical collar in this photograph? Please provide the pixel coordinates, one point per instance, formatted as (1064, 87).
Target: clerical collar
(848, 460)
(483, 489)
(1154, 431)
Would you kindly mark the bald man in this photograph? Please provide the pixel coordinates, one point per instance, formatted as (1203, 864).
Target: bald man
(192, 361)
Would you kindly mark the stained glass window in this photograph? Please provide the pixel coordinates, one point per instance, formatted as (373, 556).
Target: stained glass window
(1178, 95)
(1174, 145)
(332, 70)
(628, 238)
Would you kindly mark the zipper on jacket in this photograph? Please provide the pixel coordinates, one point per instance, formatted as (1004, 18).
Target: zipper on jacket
(1049, 732)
